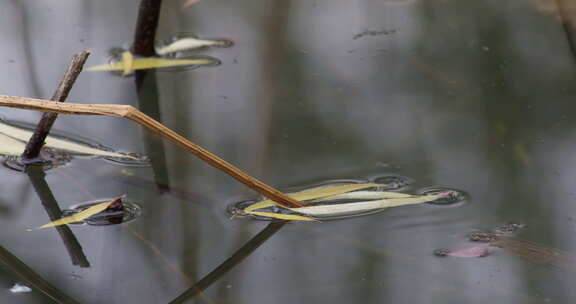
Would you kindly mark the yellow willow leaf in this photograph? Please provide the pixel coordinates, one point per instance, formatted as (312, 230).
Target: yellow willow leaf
(364, 195)
(80, 216)
(53, 142)
(336, 209)
(288, 217)
(128, 61)
(189, 2)
(10, 146)
(149, 63)
(314, 194)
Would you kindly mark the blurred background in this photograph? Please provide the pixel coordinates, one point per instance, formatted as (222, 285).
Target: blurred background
(472, 95)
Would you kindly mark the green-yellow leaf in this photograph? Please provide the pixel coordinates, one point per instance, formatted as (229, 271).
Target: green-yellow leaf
(128, 60)
(80, 216)
(149, 63)
(314, 194)
(13, 143)
(288, 217)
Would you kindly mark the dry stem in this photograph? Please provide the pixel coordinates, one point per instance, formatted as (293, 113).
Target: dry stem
(36, 142)
(135, 115)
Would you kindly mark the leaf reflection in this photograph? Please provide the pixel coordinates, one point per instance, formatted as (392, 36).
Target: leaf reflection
(38, 181)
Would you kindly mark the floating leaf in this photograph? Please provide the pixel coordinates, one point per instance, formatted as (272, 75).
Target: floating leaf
(149, 63)
(12, 142)
(80, 216)
(191, 43)
(364, 195)
(10, 146)
(334, 209)
(189, 2)
(280, 216)
(314, 194)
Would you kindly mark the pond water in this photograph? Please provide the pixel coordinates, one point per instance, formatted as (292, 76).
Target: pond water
(470, 95)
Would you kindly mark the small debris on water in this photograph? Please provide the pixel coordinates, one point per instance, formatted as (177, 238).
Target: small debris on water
(483, 237)
(443, 252)
(374, 33)
(394, 182)
(509, 228)
(452, 196)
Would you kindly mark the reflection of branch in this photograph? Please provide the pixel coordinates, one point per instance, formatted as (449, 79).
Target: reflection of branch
(28, 275)
(230, 263)
(36, 175)
(45, 124)
(568, 21)
(147, 91)
(147, 87)
(146, 121)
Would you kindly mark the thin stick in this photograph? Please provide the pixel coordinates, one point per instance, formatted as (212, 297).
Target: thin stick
(144, 120)
(36, 142)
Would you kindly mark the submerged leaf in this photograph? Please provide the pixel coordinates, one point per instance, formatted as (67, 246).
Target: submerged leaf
(80, 216)
(314, 194)
(12, 142)
(190, 2)
(149, 63)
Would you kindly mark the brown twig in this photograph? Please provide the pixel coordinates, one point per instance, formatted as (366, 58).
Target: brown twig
(144, 120)
(36, 142)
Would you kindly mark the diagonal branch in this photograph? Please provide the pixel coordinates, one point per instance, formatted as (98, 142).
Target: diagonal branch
(144, 120)
(36, 142)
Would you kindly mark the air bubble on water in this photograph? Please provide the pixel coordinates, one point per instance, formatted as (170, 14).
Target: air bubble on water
(20, 288)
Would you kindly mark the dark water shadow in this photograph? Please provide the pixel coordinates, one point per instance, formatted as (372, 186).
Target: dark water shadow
(147, 91)
(38, 181)
(230, 263)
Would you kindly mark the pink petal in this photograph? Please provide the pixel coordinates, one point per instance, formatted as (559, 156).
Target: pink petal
(478, 251)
